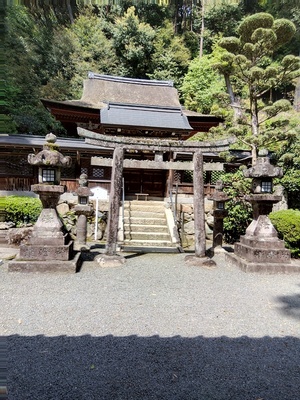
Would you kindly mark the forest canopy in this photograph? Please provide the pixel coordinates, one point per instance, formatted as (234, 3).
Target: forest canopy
(50, 46)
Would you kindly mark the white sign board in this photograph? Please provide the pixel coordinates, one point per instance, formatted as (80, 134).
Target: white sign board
(98, 194)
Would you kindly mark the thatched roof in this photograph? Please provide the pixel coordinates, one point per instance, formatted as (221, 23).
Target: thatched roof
(98, 90)
(112, 102)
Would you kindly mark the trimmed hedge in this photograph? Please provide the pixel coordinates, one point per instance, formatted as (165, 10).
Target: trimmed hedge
(287, 224)
(21, 210)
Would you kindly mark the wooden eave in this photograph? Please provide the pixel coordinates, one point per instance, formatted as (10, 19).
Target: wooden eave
(204, 124)
(83, 114)
(75, 113)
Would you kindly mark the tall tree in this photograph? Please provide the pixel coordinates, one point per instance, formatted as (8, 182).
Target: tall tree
(171, 56)
(202, 85)
(133, 43)
(248, 62)
(25, 71)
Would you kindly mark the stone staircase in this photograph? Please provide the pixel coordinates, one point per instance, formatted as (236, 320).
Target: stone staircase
(146, 227)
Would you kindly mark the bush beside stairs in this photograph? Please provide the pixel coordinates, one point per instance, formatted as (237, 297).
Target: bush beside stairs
(146, 227)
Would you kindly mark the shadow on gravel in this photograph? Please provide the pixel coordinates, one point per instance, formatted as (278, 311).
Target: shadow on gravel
(290, 305)
(175, 368)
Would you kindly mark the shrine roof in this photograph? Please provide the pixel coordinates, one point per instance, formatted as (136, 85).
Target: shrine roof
(130, 115)
(15, 140)
(98, 90)
(112, 101)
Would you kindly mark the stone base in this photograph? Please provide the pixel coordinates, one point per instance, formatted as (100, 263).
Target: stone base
(45, 252)
(267, 268)
(105, 260)
(259, 250)
(205, 262)
(46, 266)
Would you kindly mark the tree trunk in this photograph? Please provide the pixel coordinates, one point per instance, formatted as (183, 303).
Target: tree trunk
(297, 96)
(70, 11)
(202, 32)
(235, 104)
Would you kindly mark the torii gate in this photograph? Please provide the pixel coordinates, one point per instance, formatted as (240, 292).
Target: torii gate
(119, 144)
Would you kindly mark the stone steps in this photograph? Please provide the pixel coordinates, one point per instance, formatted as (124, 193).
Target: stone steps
(145, 226)
(159, 236)
(147, 206)
(136, 220)
(144, 214)
(148, 243)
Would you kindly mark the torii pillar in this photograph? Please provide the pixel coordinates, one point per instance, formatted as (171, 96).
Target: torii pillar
(199, 258)
(111, 258)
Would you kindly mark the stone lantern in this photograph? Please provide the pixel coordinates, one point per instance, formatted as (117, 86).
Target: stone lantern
(219, 212)
(49, 247)
(83, 209)
(260, 249)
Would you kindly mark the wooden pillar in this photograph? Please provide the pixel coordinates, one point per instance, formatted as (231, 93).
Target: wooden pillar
(199, 212)
(169, 186)
(114, 201)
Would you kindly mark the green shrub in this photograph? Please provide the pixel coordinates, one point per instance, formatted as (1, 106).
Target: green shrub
(238, 219)
(287, 224)
(22, 209)
(2, 202)
(239, 211)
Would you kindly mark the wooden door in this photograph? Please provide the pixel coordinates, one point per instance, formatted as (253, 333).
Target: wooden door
(148, 181)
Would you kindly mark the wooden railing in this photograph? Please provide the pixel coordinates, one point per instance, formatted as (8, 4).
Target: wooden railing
(187, 188)
(16, 183)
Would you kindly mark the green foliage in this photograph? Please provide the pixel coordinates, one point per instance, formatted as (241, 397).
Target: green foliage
(133, 43)
(2, 203)
(288, 157)
(20, 210)
(171, 56)
(27, 44)
(201, 86)
(252, 23)
(287, 224)
(249, 63)
(239, 211)
(222, 20)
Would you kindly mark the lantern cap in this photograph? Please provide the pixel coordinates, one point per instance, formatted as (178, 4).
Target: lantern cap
(50, 156)
(263, 169)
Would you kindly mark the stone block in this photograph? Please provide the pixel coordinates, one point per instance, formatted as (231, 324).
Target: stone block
(43, 253)
(253, 241)
(261, 255)
(70, 266)
(62, 208)
(48, 238)
(265, 268)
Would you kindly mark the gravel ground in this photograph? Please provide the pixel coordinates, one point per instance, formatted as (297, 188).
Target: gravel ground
(152, 329)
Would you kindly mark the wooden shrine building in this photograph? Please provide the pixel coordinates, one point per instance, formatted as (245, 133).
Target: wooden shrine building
(146, 128)
(134, 109)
